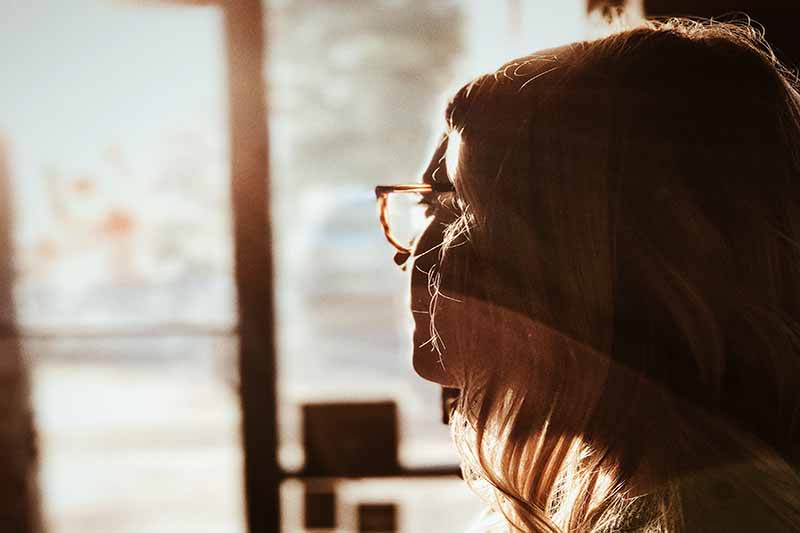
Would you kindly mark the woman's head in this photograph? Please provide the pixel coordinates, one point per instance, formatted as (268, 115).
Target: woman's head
(620, 264)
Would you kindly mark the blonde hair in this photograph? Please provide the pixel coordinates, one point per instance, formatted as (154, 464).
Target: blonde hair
(627, 270)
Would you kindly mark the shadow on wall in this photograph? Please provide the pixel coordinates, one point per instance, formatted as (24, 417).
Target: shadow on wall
(19, 490)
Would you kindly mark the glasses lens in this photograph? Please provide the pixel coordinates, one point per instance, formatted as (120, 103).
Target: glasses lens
(406, 217)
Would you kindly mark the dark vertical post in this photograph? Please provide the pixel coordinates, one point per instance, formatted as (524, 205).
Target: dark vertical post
(253, 260)
(19, 491)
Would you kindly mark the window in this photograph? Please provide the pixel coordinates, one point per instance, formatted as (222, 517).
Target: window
(114, 125)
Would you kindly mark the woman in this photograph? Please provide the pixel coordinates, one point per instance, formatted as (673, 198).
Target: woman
(613, 283)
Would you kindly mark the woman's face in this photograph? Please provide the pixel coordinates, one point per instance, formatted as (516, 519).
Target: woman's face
(431, 360)
(494, 109)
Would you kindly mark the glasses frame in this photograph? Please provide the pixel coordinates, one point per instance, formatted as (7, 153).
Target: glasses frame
(382, 193)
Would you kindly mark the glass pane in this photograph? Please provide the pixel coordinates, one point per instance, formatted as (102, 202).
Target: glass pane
(407, 216)
(113, 122)
(138, 434)
(356, 92)
(115, 125)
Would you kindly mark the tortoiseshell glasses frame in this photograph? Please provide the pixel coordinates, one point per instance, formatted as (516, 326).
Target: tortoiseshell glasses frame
(382, 193)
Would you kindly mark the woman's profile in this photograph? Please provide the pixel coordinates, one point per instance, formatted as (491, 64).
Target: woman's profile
(611, 279)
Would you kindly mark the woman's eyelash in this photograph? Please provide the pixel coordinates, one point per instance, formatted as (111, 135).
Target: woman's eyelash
(431, 203)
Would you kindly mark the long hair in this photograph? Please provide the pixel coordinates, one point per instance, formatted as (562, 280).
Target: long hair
(622, 285)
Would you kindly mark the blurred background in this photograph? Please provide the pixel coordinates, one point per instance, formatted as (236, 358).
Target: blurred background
(202, 326)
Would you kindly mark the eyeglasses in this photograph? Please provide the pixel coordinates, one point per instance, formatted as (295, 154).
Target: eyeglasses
(399, 225)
